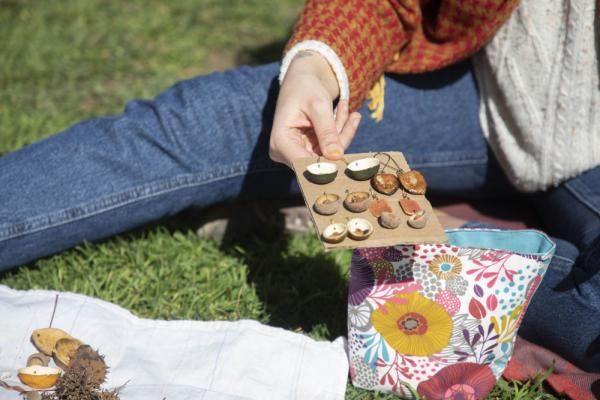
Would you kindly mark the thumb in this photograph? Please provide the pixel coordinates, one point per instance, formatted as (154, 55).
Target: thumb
(321, 117)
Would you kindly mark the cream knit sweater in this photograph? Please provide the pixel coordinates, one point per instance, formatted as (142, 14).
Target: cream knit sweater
(540, 95)
(539, 86)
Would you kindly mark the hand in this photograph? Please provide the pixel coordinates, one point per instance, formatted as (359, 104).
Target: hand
(304, 124)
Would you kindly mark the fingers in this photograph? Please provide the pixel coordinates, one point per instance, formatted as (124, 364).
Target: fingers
(349, 130)
(320, 112)
(341, 115)
(284, 148)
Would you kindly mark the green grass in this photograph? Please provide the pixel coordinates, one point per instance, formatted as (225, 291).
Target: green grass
(65, 60)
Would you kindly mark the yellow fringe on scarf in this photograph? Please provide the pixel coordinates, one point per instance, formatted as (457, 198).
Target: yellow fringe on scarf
(376, 99)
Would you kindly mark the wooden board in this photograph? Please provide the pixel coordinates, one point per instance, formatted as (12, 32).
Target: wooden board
(404, 234)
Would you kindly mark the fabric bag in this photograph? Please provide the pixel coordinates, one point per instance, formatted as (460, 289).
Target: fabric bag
(441, 320)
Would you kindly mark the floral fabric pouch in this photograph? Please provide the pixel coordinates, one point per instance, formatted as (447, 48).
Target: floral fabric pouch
(440, 320)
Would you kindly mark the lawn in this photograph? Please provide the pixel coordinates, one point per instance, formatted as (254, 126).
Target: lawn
(65, 60)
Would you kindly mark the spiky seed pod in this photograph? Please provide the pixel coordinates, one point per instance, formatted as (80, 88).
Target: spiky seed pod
(75, 385)
(92, 363)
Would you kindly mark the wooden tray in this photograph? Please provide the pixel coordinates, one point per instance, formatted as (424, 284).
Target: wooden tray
(404, 234)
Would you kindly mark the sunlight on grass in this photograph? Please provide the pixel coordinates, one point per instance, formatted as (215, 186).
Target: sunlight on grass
(65, 60)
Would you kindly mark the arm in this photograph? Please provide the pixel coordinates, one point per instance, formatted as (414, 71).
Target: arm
(370, 37)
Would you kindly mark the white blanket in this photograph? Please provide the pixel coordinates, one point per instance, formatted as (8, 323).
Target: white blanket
(176, 360)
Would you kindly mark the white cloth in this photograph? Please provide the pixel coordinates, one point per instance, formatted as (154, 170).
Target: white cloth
(540, 93)
(177, 360)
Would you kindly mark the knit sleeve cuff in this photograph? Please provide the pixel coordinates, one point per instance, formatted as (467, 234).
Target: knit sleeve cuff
(325, 51)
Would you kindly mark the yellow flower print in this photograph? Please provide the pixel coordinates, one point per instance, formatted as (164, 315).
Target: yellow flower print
(507, 327)
(445, 266)
(413, 325)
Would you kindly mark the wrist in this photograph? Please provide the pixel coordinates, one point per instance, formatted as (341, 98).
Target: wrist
(311, 62)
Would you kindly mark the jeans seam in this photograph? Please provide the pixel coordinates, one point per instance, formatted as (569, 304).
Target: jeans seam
(449, 163)
(565, 259)
(581, 198)
(117, 205)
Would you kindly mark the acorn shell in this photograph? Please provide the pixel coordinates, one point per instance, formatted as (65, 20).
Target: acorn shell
(327, 204)
(334, 233)
(44, 339)
(363, 169)
(64, 352)
(390, 220)
(38, 359)
(385, 183)
(357, 201)
(359, 228)
(413, 181)
(321, 173)
(418, 220)
(39, 377)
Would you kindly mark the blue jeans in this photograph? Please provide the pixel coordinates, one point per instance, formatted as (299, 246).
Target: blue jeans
(205, 140)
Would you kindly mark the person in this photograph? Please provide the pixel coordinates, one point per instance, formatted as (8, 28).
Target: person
(518, 117)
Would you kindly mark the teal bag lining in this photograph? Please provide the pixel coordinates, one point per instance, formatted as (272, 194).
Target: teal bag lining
(521, 241)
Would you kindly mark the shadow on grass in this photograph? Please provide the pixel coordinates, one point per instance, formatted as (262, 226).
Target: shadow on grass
(304, 290)
(264, 54)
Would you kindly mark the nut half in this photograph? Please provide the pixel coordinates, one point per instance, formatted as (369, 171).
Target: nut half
(357, 201)
(334, 233)
(418, 220)
(327, 204)
(385, 183)
(359, 228)
(39, 376)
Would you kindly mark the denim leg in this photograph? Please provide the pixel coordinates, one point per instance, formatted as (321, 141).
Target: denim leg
(192, 145)
(205, 140)
(564, 313)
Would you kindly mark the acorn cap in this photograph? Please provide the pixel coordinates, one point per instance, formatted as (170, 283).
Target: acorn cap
(357, 201)
(327, 204)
